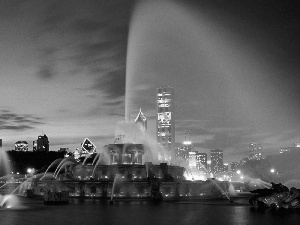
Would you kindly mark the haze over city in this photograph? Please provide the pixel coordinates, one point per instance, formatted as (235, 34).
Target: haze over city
(233, 66)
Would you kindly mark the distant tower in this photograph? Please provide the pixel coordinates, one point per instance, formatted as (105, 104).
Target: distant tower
(87, 147)
(42, 143)
(165, 124)
(184, 150)
(141, 120)
(202, 162)
(216, 157)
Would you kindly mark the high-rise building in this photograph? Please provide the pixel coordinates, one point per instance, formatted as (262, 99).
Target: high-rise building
(166, 120)
(184, 150)
(21, 146)
(42, 144)
(141, 120)
(216, 156)
(34, 145)
(255, 151)
(202, 162)
(87, 147)
(192, 159)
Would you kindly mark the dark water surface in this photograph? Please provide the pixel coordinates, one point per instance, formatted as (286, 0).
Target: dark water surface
(89, 211)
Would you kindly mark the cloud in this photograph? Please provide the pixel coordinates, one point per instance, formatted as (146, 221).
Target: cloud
(21, 122)
(90, 37)
(46, 72)
(113, 108)
(112, 83)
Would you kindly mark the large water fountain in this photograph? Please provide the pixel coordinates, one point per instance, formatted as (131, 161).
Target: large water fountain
(124, 175)
(133, 169)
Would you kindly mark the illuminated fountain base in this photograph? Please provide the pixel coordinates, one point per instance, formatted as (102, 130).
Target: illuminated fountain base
(127, 177)
(135, 181)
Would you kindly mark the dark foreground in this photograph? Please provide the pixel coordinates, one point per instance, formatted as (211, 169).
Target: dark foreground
(94, 211)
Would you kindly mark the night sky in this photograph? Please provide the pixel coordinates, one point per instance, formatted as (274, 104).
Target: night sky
(234, 67)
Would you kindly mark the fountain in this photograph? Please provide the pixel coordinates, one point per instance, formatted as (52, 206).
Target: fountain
(128, 174)
(136, 159)
(117, 177)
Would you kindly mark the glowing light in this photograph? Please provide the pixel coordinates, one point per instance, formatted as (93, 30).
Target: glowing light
(238, 172)
(272, 170)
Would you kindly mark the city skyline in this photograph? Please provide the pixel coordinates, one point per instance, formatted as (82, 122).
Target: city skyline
(233, 66)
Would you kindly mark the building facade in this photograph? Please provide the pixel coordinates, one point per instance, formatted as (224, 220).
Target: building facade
(21, 146)
(202, 162)
(87, 147)
(216, 157)
(183, 151)
(41, 144)
(165, 124)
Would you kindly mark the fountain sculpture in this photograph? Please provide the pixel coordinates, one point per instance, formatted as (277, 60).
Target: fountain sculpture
(277, 197)
(124, 177)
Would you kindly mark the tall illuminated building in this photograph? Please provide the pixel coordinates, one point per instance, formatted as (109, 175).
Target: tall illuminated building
(183, 151)
(202, 162)
(216, 157)
(165, 124)
(87, 147)
(141, 120)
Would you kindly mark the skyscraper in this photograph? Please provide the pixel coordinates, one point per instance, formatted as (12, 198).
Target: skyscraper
(202, 162)
(216, 156)
(87, 147)
(42, 143)
(166, 120)
(184, 150)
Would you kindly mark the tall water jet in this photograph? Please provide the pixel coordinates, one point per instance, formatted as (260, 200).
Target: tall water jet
(55, 162)
(171, 44)
(5, 167)
(63, 166)
(68, 159)
(116, 179)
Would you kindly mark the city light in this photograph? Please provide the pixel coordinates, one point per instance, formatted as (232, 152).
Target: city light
(272, 170)
(238, 172)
